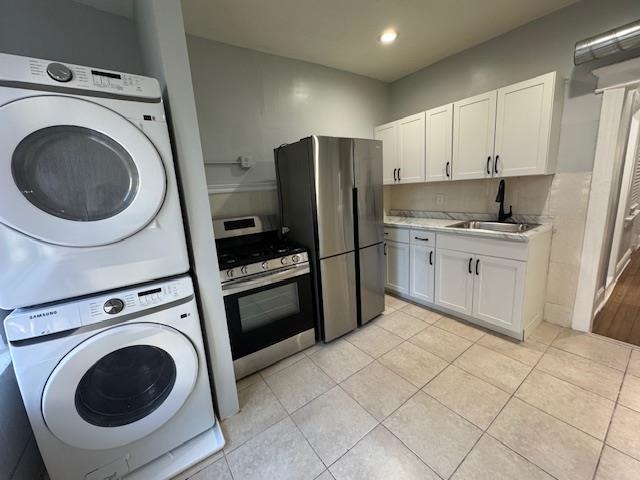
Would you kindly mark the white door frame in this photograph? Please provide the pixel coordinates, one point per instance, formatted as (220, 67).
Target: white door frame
(625, 187)
(614, 82)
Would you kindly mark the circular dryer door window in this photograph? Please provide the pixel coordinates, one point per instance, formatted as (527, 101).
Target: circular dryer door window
(119, 386)
(75, 173)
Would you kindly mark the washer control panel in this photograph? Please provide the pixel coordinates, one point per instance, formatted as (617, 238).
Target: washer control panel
(26, 323)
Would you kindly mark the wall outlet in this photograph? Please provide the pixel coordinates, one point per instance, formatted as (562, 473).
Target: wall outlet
(439, 199)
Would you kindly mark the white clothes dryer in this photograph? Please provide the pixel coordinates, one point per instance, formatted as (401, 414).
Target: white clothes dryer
(88, 194)
(112, 383)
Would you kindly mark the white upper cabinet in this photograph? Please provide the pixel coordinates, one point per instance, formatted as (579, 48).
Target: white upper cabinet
(438, 143)
(473, 135)
(388, 133)
(512, 131)
(524, 126)
(411, 163)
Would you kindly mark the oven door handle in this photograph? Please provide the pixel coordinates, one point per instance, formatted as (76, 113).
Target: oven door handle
(241, 285)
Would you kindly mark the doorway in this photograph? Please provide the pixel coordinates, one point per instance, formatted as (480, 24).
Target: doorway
(617, 300)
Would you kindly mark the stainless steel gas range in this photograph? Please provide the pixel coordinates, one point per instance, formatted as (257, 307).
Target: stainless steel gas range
(268, 297)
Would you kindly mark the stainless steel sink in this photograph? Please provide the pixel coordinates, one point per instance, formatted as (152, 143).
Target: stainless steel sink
(496, 226)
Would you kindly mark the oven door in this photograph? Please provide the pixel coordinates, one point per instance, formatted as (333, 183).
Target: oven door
(266, 310)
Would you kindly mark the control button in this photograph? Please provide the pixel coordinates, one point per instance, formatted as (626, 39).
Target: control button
(230, 273)
(295, 258)
(59, 72)
(113, 306)
(284, 260)
(244, 269)
(265, 265)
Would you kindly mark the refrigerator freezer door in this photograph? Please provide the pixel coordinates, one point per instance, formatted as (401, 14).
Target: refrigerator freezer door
(333, 175)
(373, 274)
(368, 181)
(339, 295)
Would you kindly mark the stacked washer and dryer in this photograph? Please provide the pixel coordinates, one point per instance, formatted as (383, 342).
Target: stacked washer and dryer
(105, 335)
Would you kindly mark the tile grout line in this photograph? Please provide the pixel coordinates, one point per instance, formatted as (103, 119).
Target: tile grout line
(289, 415)
(554, 375)
(615, 408)
(486, 431)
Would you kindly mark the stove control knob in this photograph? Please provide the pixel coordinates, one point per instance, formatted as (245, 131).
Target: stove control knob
(284, 260)
(230, 273)
(265, 265)
(295, 258)
(113, 306)
(244, 269)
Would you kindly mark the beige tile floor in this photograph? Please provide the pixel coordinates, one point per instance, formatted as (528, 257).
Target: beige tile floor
(416, 395)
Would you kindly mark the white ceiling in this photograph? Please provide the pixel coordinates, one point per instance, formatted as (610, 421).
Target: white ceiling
(343, 33)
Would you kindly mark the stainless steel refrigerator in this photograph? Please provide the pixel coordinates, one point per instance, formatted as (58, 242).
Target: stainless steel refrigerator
(330, 194)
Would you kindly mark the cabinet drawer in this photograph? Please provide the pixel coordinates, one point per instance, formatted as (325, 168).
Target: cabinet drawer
(484, 246)
(421, 237)
(400, 235)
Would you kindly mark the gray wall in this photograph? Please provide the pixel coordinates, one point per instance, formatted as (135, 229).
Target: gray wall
(70, 32)
(250, 102)
(66, 31)
(536, 48)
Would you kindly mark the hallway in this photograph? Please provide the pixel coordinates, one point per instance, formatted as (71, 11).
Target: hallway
(620, 317)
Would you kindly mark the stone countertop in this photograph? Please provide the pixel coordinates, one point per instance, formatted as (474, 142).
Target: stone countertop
(444, 226)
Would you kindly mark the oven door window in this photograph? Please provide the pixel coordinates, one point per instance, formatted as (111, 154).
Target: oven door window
(266, 315)
(260, 309)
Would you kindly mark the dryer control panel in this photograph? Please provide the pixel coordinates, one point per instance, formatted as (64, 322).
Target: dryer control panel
(52, 75)
(26, 323)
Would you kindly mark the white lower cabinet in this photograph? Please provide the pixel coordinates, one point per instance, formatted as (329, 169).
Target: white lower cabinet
(498, 291)
(398, 267)
(454, 280)
(421, 274)
(497, 283)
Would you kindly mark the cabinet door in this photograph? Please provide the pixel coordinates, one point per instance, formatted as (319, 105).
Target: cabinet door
(523, 126)
(411, 149)
(388, 134)
(498, 291)
(474, 123)
(421, 273)
(438, 143)
(398, 267)
(454, 282)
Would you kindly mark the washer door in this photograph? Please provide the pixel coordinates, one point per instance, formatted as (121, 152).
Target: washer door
(75, 173)
(119, 386)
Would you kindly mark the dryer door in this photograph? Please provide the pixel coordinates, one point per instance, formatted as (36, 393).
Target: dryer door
(75, 173)
(119, 385)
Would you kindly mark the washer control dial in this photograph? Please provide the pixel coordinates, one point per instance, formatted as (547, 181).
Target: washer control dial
(59, 72)
(113, 306)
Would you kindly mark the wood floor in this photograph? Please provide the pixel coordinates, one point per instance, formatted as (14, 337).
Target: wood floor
(620, 317)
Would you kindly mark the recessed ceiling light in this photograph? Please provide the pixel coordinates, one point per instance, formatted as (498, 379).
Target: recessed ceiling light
(388, 36)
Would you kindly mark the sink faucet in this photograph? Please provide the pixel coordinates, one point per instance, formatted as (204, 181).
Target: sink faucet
(500, 199)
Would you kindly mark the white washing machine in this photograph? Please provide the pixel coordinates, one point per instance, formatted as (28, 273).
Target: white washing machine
(116, 385)
(88, 195)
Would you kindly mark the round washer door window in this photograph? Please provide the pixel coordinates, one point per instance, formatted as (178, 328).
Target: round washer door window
(75, 173)
(119, 386)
